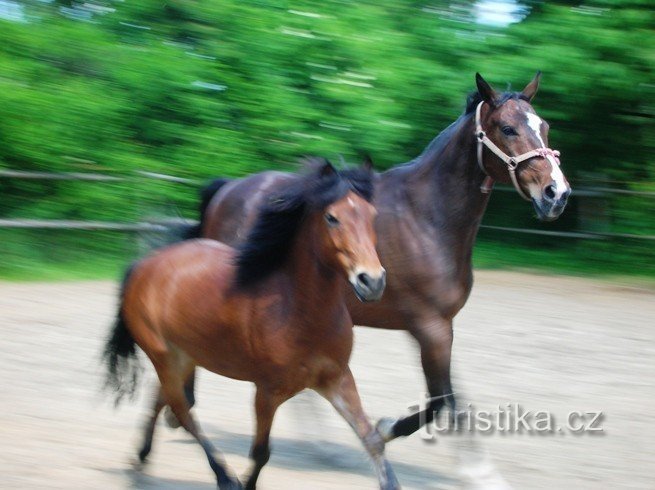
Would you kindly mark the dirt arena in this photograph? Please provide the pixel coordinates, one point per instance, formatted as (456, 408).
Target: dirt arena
(545, 343)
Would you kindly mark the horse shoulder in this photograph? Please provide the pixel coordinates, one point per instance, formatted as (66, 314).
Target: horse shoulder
(422, 270)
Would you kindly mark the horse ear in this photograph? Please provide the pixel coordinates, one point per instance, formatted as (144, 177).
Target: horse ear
(327, 169)
(531, 88)
(489, 95)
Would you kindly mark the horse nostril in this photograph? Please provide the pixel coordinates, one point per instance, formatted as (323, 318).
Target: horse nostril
(549, 191)
(364, 279)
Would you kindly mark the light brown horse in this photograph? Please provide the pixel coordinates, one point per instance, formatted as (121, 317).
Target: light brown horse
(272, 312)
(430, 210)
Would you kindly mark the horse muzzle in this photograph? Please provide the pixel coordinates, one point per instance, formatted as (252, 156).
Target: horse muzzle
(367, 287)
(552, 203)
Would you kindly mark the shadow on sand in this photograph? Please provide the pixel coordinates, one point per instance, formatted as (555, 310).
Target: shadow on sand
(293, 454)
(299, 455)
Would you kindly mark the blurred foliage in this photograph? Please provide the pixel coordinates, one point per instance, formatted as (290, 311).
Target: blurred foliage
(205, 88)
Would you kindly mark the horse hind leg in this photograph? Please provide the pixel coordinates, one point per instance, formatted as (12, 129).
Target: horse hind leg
(173, 390)
(345, 399)
(149, 429)
(189, 392)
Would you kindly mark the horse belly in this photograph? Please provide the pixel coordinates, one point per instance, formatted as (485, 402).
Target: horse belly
(218, 347)
(243, 336)
(381, 314)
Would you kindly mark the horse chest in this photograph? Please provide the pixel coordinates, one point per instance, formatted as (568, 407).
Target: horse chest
(425, 273)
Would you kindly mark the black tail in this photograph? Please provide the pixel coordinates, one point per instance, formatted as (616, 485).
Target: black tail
(120, 353)
(206, 195)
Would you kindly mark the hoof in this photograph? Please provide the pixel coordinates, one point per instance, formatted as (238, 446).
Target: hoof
(171, 419)
(391, 482)
(137, 464)
(385, 428)
(391, 485)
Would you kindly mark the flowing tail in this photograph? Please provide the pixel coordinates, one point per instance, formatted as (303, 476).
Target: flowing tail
(123, 367)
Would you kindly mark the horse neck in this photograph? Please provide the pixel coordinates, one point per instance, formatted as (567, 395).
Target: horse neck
(446, 181)
(315, 285)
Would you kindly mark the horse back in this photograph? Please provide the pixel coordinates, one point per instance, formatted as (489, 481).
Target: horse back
(184, 299)
(232, 211)
(179, 285)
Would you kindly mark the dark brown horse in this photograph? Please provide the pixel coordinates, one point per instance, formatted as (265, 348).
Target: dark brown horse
(429, 214)
(272, 312)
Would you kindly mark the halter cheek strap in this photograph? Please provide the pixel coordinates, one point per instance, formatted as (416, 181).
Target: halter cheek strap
(511, 162)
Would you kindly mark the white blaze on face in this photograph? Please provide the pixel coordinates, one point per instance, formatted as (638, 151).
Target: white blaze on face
(556, 174)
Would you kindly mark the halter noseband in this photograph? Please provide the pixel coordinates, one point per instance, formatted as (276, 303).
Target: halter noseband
(511, 162)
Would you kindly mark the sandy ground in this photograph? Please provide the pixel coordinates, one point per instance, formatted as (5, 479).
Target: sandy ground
(546, 343)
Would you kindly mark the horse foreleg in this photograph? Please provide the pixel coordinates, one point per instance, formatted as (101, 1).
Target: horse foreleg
(475, 466)
(173, 390)
(266, 404)
(435, 339)
(149, 429)
(345, 399)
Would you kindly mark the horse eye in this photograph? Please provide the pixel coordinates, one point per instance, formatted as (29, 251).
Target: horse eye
(509, 131)
(331, 220)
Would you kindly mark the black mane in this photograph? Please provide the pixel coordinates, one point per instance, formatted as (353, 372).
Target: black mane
(474, 98)
(269, 242)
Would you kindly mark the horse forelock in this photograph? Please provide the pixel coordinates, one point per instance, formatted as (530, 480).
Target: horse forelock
(474, 98)
(280, 218)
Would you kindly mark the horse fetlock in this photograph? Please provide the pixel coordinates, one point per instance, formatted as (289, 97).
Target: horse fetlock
(171, 419)
(143, 454)
(374, 442)
(261, 454)
(384, 428)
(231, 484)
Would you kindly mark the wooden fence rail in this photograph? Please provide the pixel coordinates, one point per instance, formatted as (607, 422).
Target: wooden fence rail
(20, 174)
(63, 224)
(165, 226)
